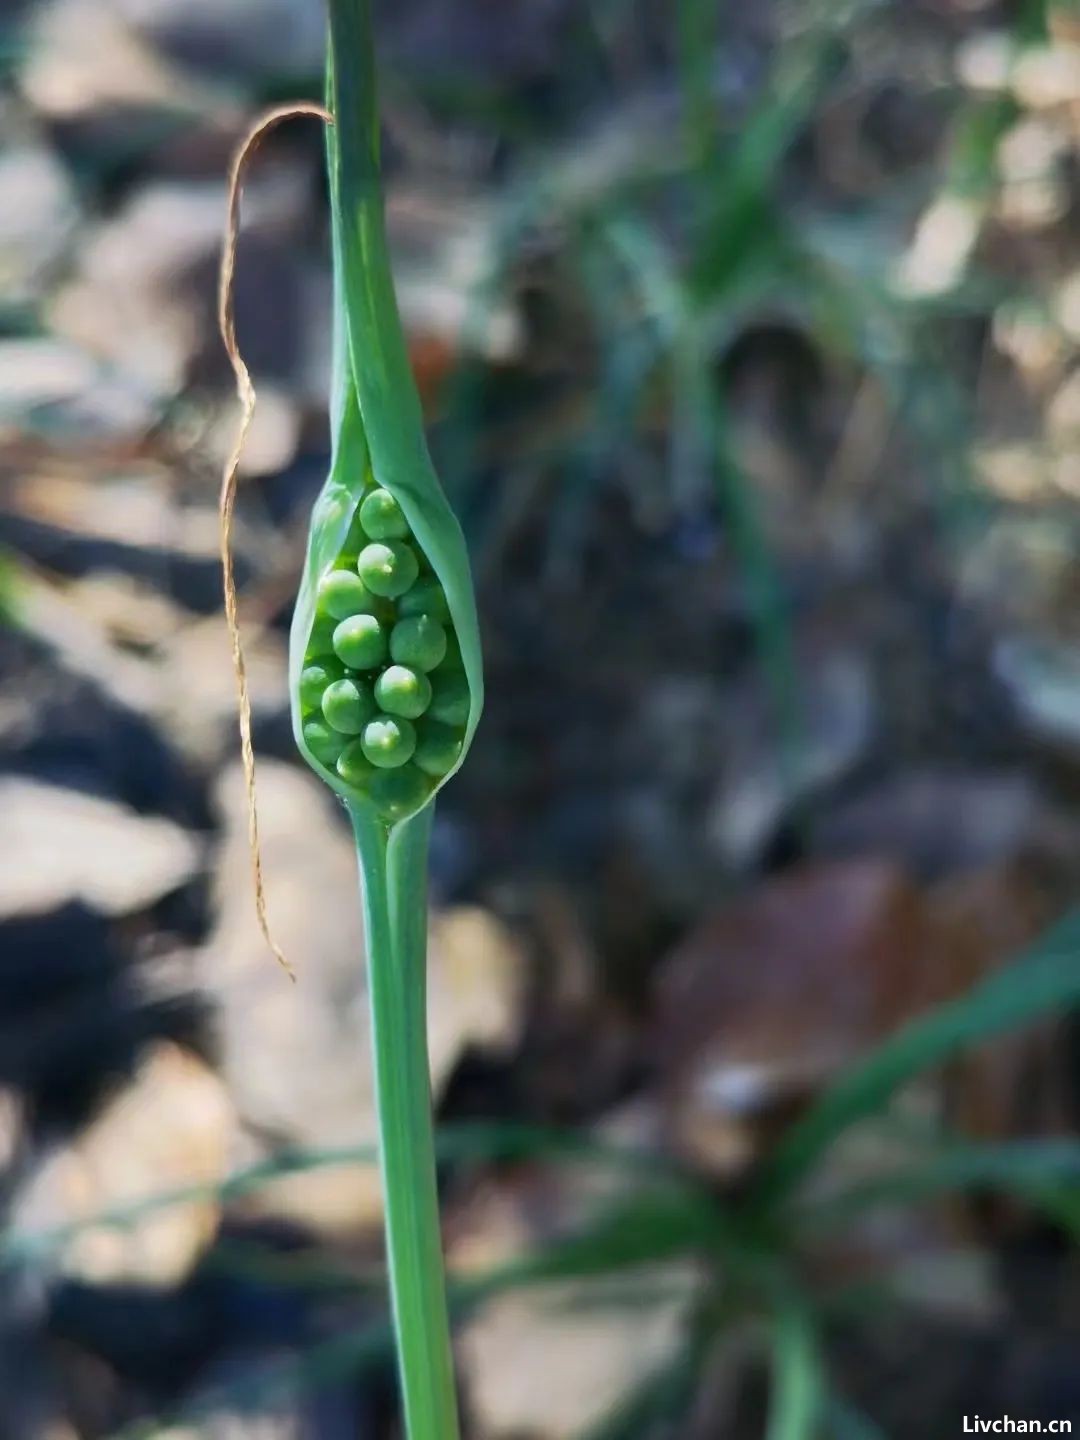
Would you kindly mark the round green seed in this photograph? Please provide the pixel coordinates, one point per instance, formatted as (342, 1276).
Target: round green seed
(438, 748)
(360, 642)
(382, 517)
(314, 679)
(389, 742)
(449, 698)
(418, 641)
(401, 691)
(353, 765)
(343, 593)
(426, 597)
(347, 706)
(397, 793)
(387, 567)
(325, 744)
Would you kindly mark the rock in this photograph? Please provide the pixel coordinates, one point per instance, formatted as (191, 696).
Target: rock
(128, 520)
(131, 301)
(55, 387)
(169, 1130)
(38, 215)
(297, 1058)
(272, 439)
(195, 697)
(84, 68)
(476, 987)
(600, 1337)
(144, 295)
(84, 721)
(39, 372)
(1047, 77)
(941, 248)
(599, 1340)
(62, 845)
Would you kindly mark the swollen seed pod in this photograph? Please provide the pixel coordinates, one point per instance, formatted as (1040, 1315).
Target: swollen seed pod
(356, 709)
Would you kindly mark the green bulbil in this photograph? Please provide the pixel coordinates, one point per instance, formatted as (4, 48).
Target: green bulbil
(354, 767)
(449, 698)
(426, 597)
(343, 593)
(418, 641)
(325, 744)
(397, 793)
(347, 706)
(437, 748)
(388, 568)
(389, 742)
(360, 642)
(401, 691)
(314, 679)
(382, 518)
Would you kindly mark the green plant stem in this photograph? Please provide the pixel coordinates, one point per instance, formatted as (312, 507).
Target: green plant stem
(394, 869)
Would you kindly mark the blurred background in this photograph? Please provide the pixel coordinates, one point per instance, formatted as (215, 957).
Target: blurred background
(748, 337)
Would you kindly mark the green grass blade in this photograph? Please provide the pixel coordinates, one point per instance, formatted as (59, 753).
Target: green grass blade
(797, 1388)
(1048, 980)
(1028, 1169)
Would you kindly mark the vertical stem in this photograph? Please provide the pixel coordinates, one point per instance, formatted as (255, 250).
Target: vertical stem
(394, 872)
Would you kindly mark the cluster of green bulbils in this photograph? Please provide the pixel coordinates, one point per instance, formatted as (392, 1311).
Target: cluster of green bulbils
(383, 694)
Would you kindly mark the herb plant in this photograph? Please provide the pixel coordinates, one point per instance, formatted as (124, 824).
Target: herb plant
(385, 679)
